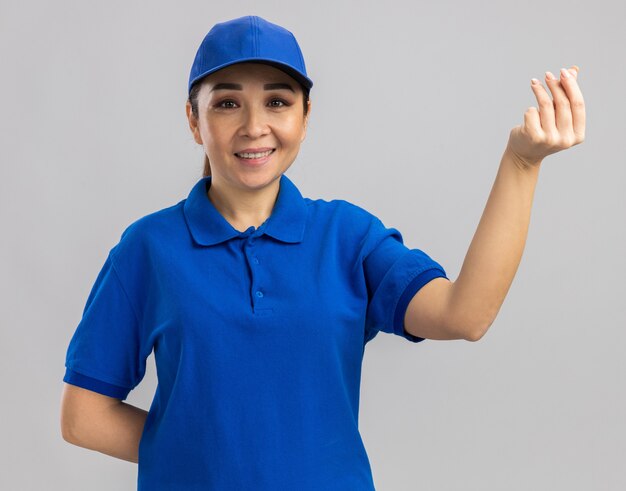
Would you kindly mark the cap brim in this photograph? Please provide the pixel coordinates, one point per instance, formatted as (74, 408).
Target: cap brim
(296, 75)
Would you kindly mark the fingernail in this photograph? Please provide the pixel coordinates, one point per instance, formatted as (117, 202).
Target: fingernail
(534, 81)
(549, 76)
(565, 73)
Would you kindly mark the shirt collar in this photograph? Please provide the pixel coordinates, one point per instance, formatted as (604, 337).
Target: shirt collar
(208, 227)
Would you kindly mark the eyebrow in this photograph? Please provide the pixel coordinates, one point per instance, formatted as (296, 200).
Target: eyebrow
(231, 86)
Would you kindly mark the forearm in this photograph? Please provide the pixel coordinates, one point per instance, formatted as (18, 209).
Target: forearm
(114, 431)
(496, 248)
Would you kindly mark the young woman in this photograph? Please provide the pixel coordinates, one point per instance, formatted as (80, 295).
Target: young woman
(258, 302)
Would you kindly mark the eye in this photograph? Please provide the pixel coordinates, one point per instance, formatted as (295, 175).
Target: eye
(226, 104)
(278, 103)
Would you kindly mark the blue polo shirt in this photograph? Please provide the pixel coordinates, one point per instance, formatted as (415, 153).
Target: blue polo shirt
(258, 338)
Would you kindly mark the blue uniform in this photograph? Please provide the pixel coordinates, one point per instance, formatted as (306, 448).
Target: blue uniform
(258, 338)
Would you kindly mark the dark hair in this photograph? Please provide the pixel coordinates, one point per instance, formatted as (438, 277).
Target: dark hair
(193, 99)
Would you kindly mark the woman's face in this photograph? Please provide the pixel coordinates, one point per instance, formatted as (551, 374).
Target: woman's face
(250, 122)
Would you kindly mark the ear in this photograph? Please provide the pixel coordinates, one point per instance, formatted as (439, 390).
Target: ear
(306, 120)
(193, 124)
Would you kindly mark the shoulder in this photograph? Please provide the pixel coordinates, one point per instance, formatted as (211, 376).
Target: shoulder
(341, 212)
(366, 230)
(145, 233)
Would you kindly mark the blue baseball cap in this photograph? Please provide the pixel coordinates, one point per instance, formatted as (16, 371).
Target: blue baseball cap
(253, 39)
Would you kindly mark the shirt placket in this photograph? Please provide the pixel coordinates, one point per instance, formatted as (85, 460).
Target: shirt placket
(258, 288)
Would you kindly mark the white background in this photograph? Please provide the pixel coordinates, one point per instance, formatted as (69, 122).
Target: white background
(412, 107)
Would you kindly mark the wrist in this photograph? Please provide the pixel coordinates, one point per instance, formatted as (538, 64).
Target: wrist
(522, 164)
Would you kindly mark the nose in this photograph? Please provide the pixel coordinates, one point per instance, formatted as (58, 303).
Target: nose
(254, 124)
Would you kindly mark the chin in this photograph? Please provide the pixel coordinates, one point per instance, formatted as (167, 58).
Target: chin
(259, 179)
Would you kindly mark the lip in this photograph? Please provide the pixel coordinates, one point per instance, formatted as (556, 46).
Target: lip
(256, 162)
(255, 150)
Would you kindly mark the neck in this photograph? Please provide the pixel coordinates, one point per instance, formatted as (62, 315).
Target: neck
(243, 208)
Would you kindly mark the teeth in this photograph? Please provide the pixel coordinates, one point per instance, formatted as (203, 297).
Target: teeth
(255, 155)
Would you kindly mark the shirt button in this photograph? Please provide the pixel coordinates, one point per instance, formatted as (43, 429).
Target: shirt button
(255, 260)
(259, 293)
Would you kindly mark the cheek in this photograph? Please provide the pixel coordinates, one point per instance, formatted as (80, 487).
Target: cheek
(291, 130)
(216, 134)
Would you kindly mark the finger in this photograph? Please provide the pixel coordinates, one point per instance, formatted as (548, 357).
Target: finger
(546, 108)
(563, 112)
(577, 103)
(532, 123)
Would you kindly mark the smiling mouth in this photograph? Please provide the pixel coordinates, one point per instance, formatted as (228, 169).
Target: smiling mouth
(256, 155)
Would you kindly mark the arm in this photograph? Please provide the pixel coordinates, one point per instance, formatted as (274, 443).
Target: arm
(102, 423)
(466, 308)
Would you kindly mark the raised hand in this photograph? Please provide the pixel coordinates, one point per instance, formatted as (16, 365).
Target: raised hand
(557, 124)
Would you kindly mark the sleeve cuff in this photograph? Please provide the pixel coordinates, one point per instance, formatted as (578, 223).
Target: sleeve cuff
(75, 378)
(412, 288)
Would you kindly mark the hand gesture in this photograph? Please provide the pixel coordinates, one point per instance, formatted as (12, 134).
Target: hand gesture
(559, 123)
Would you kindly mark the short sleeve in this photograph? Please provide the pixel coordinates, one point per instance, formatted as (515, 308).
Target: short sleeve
(104, 353)
(393, 274)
